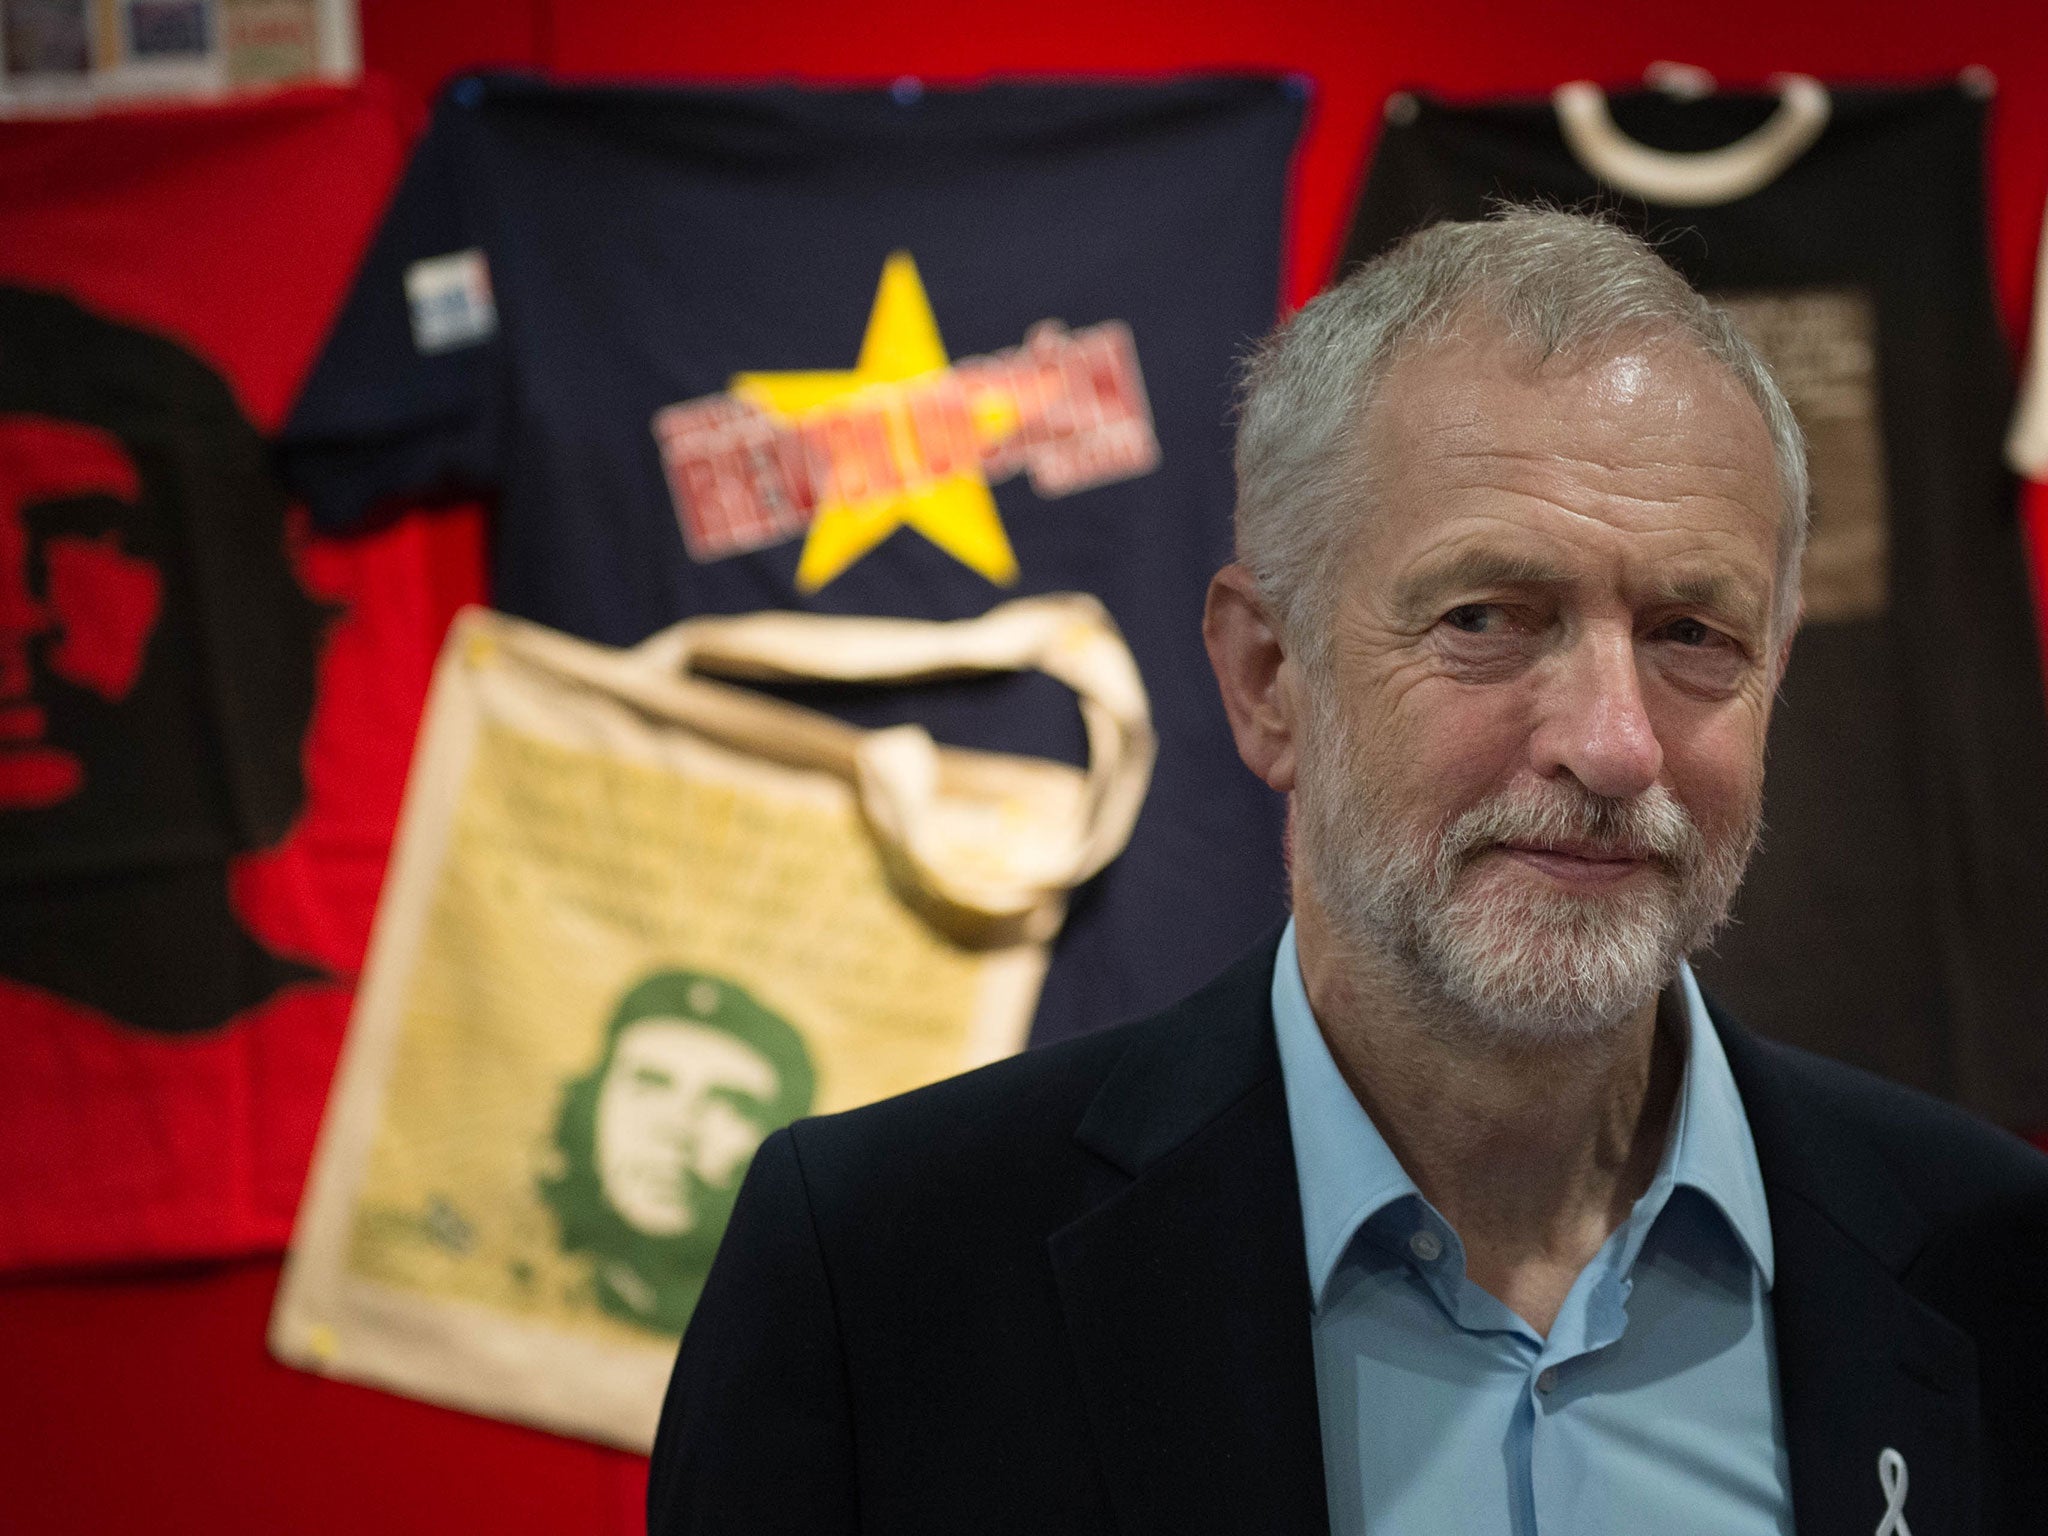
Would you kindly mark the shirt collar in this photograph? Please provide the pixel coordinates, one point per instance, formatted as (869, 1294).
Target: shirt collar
(1348, 1174)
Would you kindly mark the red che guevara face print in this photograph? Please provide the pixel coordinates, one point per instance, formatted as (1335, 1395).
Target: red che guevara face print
(76, 604)
(157, 663)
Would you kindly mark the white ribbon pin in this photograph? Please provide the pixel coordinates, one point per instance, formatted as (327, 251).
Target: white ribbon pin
(1891, 1477)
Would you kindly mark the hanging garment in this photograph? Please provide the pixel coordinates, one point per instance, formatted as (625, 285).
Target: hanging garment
(636, 921)
(905, 352)
(203, 715)
(1897, 914)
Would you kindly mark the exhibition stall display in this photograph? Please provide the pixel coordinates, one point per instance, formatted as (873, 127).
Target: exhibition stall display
(830, 712)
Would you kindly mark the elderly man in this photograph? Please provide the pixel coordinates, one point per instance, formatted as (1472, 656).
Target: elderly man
(1459, 1209)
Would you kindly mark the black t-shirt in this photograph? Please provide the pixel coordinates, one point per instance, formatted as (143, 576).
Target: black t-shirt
(1897, 915)
(897, 352)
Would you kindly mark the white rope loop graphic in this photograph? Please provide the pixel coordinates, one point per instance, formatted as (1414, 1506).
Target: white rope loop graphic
(1891, 1477)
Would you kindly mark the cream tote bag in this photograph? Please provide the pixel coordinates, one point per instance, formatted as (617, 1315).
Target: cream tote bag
(636, 919)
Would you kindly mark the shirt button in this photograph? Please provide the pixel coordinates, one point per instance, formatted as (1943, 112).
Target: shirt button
(1546, 1379)
(1426, 1246)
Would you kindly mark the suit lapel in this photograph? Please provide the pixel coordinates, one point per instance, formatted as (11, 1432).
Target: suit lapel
(1185, 1292)
(1186, 1289)
(1863, 1365)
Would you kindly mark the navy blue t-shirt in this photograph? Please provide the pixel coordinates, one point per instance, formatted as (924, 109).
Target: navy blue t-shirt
(903, 352)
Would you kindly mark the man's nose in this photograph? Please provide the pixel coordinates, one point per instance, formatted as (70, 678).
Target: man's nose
(1593, 724)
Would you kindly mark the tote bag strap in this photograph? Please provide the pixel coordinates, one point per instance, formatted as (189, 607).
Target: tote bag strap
(1004, 884)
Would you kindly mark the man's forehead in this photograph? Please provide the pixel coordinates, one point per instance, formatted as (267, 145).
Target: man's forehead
(1652, 436)
(1476, 382)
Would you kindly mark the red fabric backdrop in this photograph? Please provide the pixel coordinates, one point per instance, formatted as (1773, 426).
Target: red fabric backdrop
(117, 1144)
(147, 1402)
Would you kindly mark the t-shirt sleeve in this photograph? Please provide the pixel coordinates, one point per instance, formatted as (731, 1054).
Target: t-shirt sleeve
(2026, 446)
(405, 399)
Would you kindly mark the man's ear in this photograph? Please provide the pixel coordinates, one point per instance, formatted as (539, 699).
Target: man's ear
(1261, 693)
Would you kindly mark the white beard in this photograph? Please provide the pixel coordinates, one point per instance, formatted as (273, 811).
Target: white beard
(1491, 953)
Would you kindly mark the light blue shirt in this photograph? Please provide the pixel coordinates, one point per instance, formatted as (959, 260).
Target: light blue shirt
(1651, 1407)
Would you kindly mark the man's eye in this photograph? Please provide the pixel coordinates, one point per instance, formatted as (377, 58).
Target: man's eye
(1473, 618)
(1690, 632)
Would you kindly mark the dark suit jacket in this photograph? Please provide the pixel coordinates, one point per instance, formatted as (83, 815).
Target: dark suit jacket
(1067, 1294)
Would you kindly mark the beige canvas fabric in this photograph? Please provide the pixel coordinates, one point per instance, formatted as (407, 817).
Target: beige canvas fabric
(636, 918)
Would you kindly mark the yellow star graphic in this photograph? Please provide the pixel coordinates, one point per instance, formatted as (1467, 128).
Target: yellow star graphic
(956, 512)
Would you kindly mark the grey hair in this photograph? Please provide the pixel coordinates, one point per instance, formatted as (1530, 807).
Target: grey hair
(1554, 283)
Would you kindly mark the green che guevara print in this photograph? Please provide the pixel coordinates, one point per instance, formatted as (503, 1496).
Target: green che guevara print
(655, 1138)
